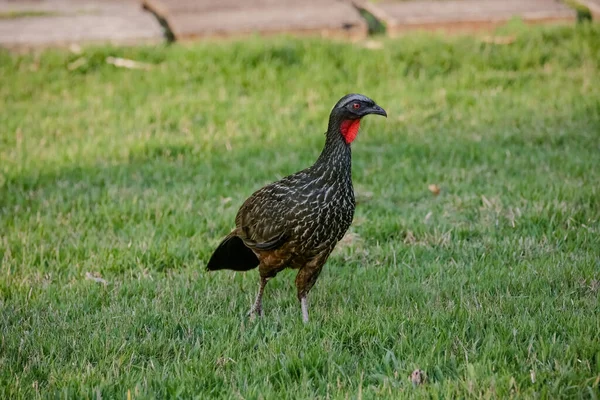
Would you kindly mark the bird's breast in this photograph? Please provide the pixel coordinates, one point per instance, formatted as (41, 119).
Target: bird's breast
(326, 217)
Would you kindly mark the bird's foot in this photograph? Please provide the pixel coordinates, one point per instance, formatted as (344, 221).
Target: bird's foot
(254, 312)
(257, 306)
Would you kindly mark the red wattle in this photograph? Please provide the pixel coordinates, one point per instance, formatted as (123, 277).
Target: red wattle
(349, 129)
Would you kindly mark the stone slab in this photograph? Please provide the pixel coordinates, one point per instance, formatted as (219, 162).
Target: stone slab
(465, 15)
(190, 19)
(76, 21)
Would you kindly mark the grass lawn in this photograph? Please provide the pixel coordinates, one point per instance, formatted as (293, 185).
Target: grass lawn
(134, 176)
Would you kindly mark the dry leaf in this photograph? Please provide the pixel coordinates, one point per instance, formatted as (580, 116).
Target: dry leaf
(349, 239)
(80, 62)
(362, 196)
(418, 377)
(125, 63)
(222, 361)
(409, 238)
(373, 45)
(435, 189)
(429, 214)
(96, 278)
(75, 48)
(486, 202)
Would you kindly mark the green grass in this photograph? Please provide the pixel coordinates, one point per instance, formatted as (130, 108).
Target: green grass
(492, 287)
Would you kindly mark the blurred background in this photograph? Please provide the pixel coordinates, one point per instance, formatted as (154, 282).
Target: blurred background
(47, 22)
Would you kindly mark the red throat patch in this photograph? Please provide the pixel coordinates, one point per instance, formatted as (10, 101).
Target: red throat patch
(349, 129)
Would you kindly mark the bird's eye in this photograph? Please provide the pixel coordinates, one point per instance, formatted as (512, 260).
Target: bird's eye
(356, 106)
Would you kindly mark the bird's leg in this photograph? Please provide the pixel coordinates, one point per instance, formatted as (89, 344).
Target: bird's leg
(304, 305)
(306, 278)
(257, 307)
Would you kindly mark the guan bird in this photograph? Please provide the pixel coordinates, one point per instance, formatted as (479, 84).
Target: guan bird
(297, 221)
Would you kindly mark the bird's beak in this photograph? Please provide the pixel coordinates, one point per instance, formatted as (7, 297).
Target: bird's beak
(377, 110)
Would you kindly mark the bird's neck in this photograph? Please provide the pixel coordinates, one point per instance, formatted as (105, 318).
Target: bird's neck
(336, 155)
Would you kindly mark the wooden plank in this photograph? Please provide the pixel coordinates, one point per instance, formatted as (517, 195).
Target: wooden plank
(190, 19)
(465, 15)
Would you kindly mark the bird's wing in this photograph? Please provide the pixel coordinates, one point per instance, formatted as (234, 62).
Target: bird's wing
(265, 218)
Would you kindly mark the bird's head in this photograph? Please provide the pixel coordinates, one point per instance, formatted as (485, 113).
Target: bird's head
(347, 113)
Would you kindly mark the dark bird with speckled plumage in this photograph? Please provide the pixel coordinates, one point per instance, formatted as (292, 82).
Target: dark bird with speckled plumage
(297, 221)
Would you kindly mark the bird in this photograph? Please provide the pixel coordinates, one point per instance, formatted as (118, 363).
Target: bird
(297, 221)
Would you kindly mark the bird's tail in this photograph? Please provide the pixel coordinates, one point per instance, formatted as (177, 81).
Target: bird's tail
(233, 254)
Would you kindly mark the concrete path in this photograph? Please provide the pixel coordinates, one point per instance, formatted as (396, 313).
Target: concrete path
(465, 15)
(40, 23)
(189, 19)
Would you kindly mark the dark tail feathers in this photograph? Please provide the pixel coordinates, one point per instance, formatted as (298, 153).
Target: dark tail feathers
(233, 254)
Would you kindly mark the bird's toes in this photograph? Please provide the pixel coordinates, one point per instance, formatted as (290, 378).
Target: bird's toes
(252, 314)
